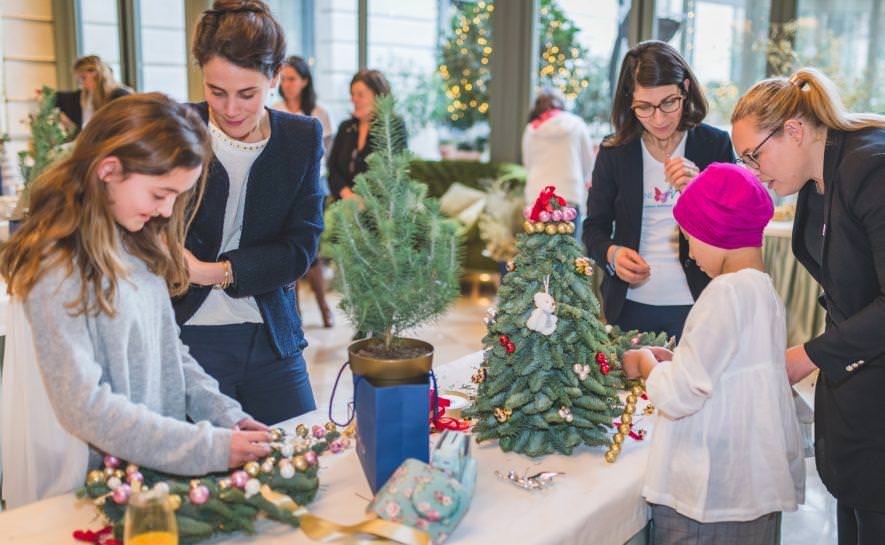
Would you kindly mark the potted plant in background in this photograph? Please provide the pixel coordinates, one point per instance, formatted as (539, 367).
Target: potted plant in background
(46, 145)
(397, 261)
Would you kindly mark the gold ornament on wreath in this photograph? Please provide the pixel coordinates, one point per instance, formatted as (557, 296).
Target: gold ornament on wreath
(625, 426)
(502, 414)
(584, 266)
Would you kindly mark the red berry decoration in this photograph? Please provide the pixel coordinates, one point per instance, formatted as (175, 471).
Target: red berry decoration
(503, 339)
(510, 347)
(601, 359)
(605, 369)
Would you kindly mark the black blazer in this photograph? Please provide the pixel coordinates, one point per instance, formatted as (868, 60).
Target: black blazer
(850, 394)
(282, 222)
(614, 208)
(345, 162)
(69, 103)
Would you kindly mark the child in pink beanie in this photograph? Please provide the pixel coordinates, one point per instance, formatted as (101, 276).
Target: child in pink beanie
(725, 457)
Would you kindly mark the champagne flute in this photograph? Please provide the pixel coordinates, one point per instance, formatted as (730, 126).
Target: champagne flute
(150, 520)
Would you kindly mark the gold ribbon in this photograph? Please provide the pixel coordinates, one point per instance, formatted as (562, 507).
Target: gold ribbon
(374, 530)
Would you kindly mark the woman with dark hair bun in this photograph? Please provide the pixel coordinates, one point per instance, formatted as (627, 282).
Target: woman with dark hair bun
(258, 228)
(299, 97)
(353, 143)
(659, 144)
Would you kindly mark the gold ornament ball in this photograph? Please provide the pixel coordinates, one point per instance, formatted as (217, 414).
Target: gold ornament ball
(300, 463)
(276, 434)
(624, 428)
(636, 390)
(120, 474)
(330, 426)
(528, 227)
(649, 409)
(631, 399)
(539, 226)
(174, 501)
(562, 229)
(194, 483)
(108, 472)
(252, 469)
(301, 430)
(610, 457)
(223, 484)
(550, 229)
(627, 418)
(94, 477)
(267, 466)
(571, 228)
(131, 468)
(618, 438)
(616, 449)
(630, 408)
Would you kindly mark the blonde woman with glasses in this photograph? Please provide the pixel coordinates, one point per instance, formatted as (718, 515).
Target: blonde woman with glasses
(795, 134)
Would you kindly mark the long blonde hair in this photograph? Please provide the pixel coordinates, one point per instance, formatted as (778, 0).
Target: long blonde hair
(807, 94)
(104, 80)
(71, 224)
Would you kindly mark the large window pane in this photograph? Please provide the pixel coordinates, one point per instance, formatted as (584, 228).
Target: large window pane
(844, 40)
(724, 41)
(584, 64)
(335, 59)
(99, 31)
(403, 38)
(163, 62)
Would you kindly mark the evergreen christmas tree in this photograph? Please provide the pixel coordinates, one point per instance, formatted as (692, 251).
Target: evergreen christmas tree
(551, 375)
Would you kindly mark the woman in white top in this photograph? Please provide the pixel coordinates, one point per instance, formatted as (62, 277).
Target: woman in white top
(725, 457)
(556, 150)
(659, 144)
(299, 97)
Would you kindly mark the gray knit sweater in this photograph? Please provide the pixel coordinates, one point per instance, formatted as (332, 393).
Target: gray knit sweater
(126, 384)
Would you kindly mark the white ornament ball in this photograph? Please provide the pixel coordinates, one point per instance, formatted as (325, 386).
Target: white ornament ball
(608, 328)
(114, 482)
(288, 450)
(287, 471)
(162, 487)
(253, 486)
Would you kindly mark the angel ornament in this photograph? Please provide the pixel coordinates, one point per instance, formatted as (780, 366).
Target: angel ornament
(543, 318)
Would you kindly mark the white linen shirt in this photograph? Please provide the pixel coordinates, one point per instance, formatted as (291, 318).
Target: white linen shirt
(726, 443)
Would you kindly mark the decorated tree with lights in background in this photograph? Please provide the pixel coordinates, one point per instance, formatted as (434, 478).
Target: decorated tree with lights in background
(551, 373)
(466, 54)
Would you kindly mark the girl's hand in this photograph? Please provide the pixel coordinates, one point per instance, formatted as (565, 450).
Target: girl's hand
(660, 353)
(799, 365)
(249, 424)
(678, 171)
(248, 446)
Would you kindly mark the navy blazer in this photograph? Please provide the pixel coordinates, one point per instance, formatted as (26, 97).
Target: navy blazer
(849, 400)
(282, 223)
(614, 208)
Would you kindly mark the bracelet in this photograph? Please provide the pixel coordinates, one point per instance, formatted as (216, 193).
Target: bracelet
(228, 276)
(614, 261)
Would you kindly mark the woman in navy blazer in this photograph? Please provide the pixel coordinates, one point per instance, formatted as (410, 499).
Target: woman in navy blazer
(257, 228)
(658, 146)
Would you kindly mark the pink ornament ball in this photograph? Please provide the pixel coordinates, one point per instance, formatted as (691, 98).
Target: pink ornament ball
(544, 216)
(311, 457)
(111, 461)
(335, 447)
(556, 215)
(135, 477)
(121, 494)
(318, 431)
(238, 478)
(570, 214)
(199, 495)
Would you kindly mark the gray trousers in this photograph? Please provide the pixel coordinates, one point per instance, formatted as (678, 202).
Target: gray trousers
(671, 528)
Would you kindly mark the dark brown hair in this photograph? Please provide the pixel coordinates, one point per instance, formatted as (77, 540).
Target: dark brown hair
(547, 99)
(242, 32)
(653, 64)
(374, 80)
(70, 223)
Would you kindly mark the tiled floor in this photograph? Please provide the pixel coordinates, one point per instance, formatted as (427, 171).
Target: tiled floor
(459, 333)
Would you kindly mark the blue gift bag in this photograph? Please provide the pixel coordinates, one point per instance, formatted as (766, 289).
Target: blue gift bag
(391, 404)
(391, 425)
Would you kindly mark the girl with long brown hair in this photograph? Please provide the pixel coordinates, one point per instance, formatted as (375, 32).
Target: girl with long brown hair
(798, 137)
(97, 366)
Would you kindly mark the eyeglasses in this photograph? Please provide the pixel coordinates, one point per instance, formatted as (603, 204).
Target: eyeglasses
(751, 158)
(667, 106)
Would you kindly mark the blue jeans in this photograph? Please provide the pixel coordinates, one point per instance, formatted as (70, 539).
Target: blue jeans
(653, 318)
(243, 361)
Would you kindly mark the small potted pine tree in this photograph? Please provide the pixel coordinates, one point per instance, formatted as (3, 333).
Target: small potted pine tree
(397, 261)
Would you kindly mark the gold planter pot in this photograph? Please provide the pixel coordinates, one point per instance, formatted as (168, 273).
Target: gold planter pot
(387, 372)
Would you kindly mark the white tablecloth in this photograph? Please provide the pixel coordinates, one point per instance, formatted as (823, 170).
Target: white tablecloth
(595, 503)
